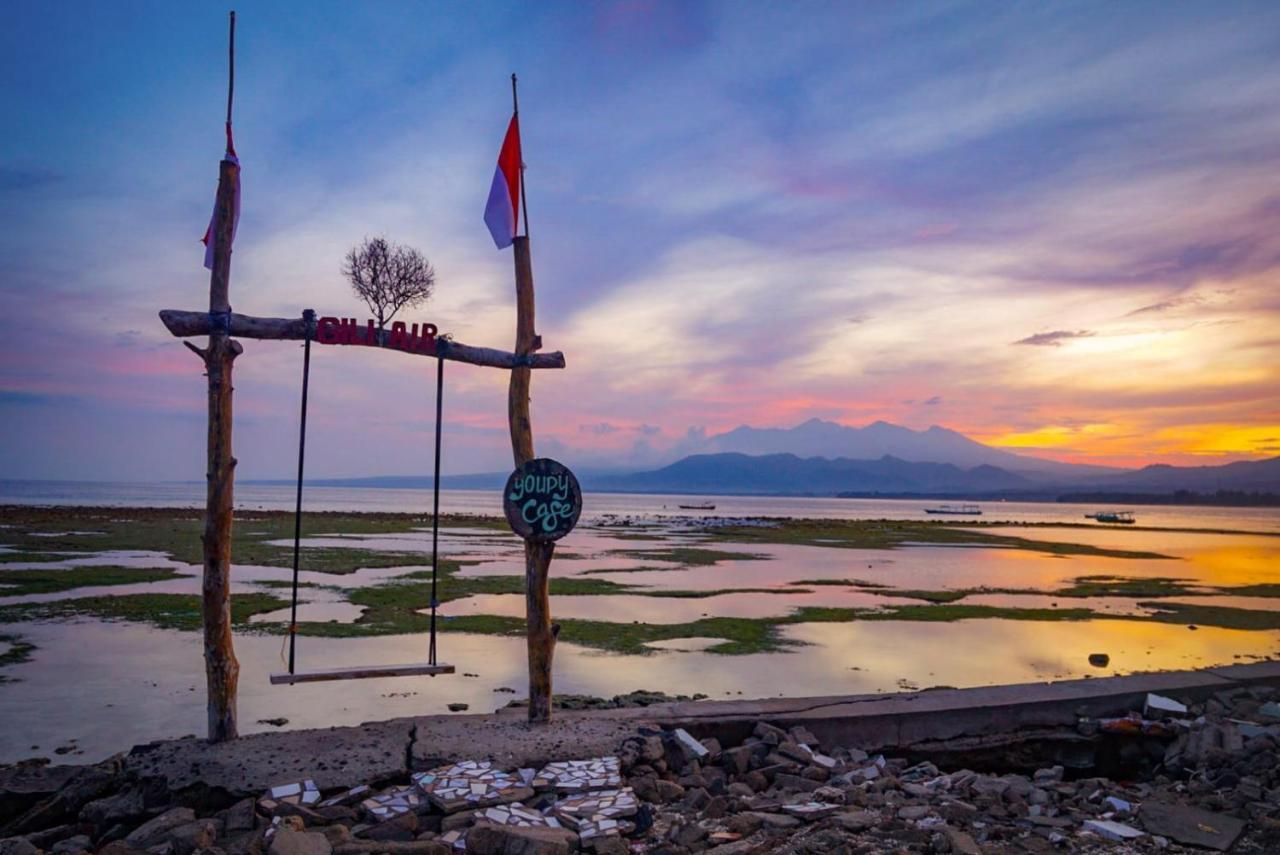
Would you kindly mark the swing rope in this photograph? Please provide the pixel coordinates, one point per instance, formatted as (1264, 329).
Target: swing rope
(435, 509)
(309, 316)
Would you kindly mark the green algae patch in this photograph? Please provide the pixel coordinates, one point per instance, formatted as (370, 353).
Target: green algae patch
(893, 534)
(22, 582)
(176, 532)
(1222, 617)
(166, 611)
(1121, 586)
(961, 611)
(19, 651)
(1262, 590)
(688, 556)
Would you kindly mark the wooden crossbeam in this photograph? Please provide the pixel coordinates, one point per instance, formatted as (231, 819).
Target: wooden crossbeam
(411, 670)
(183, 324)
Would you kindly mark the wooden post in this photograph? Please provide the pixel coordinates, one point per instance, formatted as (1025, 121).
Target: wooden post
(222, 670)
(540, 632)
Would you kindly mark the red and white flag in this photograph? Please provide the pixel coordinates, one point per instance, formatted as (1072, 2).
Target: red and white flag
(502, 212)
(208, 239)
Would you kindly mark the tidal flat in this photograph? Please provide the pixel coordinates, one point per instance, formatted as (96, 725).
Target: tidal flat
(751, 606)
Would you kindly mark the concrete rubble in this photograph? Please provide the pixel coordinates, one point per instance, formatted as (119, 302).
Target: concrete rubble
(1177, 774)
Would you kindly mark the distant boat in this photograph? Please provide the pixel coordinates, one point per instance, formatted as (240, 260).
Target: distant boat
(1112, 516)
(707, 506)
(956, 510)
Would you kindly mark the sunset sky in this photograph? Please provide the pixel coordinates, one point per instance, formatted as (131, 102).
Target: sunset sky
(1052, 227)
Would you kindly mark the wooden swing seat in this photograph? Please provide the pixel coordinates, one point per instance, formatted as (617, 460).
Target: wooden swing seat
(406, 670)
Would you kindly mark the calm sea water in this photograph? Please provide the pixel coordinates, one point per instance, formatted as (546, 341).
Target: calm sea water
(597, 505)
(110, 684)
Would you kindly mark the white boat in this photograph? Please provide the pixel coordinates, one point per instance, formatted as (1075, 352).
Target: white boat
(956, 510)
(1112, 517)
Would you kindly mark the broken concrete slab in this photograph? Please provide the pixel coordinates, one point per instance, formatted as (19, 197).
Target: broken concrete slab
(512, 742)
(1110, 830)
(332, 757)
(1191, 825)
(1158, 706)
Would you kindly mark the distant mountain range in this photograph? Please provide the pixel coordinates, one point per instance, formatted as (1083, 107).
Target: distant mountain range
(823, 458)
(818, 438)
(789, 474)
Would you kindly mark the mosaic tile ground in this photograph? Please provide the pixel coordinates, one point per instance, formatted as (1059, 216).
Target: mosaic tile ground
(576, 776)
(470, 784)
(518, 815)
(299, 793)
(392, 803)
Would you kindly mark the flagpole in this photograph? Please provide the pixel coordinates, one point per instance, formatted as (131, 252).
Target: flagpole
(524, 199)
(231, 77)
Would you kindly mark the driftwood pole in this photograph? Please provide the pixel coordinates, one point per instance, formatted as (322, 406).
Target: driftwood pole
(221, 667)
(222, 670)
(541, 633)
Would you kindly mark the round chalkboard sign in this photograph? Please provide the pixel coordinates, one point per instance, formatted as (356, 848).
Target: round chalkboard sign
(542, 500)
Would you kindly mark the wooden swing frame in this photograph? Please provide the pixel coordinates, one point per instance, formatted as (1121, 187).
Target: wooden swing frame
(222, 669)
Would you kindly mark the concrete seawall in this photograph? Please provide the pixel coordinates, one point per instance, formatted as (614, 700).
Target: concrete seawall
(905, 722)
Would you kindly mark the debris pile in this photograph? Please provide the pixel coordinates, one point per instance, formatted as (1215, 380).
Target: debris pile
(1202, 775)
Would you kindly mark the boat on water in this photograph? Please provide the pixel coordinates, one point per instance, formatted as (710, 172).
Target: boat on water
(956, 510)
(1112, 517)
(706, 506)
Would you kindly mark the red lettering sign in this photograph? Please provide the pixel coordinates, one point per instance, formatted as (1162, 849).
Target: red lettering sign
(416, 338)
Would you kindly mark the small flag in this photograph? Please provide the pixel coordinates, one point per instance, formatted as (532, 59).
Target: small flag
(502, 212)
(209, 233)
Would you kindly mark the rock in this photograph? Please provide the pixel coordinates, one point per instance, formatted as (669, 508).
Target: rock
(668, 791)
(289, 842)
(1052, 775)
(690, 834)
(336, 834)
(961, 842)
(17, 846)
(402, 828)
(192, 836)
(239, 818)
(309, 816)
(46, 837)
(777, 820)
(127, 806)
(72, 845)
(608, 846)
(457, 707)
(26, 783)
(117, 847)
(157, 829)
(802, 735)
(795, 784)
(488, 839)
(391, 847)
(737, 760)
(653, 750)
(1191, 825)
(792, 751)
(1099, 660)
(859, 820)
(768, 733)
(88, 784)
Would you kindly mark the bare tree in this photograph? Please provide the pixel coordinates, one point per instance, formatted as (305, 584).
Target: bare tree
(388, 277)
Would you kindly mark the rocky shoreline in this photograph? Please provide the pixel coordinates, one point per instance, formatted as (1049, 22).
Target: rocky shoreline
(1181, 774)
